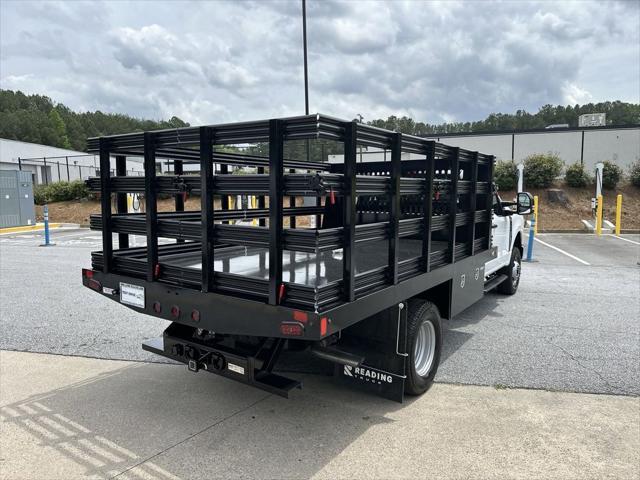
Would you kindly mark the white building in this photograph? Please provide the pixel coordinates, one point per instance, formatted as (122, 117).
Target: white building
(51, 164)
(586, 145)
(589, 145)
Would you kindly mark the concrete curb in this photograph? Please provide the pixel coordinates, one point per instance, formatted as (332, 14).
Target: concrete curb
(36, 228)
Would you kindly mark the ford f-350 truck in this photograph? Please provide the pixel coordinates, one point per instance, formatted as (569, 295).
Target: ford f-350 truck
(361, 276)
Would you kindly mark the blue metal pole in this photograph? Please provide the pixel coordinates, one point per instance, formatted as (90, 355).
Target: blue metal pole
(46, 225)
(532, 234)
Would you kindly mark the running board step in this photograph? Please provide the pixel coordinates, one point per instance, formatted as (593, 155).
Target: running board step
(494, 282)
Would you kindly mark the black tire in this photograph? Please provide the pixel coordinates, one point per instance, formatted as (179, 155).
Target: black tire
(510, 285)
(421, 311)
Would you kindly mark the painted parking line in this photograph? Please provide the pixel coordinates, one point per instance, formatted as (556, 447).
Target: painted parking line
(562, 252)
(625, 239)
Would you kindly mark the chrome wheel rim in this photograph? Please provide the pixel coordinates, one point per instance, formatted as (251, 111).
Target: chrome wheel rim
(515, 273)
(425, 348)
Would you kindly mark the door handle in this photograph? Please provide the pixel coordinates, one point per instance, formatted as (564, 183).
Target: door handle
(494, 226)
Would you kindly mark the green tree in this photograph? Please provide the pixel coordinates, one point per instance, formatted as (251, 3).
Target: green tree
(59, 128)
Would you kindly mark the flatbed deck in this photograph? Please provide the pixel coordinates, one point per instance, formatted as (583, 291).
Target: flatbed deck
(382, 228)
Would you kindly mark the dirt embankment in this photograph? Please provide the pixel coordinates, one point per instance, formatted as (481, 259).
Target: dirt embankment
(553, 216)
(556, 216)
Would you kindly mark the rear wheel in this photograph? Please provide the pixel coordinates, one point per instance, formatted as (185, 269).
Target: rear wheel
(424, 341)
(510, 285)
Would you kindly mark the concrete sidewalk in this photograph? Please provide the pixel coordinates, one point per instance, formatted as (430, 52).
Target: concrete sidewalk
(71, 417)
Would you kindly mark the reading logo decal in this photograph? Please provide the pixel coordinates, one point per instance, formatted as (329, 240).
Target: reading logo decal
(367, 375)
(463, 277)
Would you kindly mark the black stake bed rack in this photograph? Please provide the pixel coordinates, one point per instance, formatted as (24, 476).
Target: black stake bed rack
(384, 230)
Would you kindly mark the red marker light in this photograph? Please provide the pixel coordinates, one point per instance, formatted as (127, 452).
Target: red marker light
(291, 329)
(156, 271)
(175, 311)
(195, 315)
(323, 326)
(299, 316)
(332, 197)
(157, 307)
(281, 293)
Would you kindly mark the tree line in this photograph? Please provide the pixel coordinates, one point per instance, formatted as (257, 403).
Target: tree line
(38, 119)
(618, 113)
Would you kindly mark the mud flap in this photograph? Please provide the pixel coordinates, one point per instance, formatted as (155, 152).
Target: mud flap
(381, 340)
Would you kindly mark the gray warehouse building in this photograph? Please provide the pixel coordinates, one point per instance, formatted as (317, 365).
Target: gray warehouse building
(51, 164)
(586, 145)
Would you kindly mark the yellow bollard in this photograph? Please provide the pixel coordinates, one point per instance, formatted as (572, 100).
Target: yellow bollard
(535, 213)
(618, 214)
(599, 215)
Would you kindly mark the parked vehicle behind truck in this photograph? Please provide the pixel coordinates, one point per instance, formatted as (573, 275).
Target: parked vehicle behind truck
(394, 248)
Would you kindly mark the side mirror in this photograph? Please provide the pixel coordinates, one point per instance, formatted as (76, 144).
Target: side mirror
(525, 203)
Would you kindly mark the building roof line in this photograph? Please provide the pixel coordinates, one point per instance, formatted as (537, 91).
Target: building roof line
(533, 130)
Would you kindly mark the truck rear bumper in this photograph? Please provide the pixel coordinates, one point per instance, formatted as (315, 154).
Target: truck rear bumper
(214, 312)
(177, 344)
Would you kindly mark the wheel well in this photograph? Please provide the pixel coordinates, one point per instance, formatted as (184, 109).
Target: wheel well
(440, 295)
(517, 243)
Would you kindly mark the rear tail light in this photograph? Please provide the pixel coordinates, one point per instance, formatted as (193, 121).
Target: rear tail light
(87, 273)
(291, 329)
(323, 326)
(95, 285)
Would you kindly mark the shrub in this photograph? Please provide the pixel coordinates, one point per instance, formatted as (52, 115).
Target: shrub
(505, 175)
(39, 194)
(60, 191)
(540, 170)
(634, 173)
(576, 176)
(611, 174)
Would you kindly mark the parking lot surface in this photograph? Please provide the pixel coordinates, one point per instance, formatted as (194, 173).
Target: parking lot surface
(574, 324)
(73, 417)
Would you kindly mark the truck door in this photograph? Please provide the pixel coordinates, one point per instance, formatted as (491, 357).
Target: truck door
(500, 240)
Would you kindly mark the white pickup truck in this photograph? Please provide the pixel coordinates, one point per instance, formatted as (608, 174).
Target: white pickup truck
(503, 270)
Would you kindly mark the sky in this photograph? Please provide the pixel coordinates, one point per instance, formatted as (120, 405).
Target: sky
(215, 62)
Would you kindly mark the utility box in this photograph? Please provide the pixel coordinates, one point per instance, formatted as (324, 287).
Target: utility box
(16, 199)
(592, 120)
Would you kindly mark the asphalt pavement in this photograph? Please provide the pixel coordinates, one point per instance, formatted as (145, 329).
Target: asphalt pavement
(574, 324)
(71, 417)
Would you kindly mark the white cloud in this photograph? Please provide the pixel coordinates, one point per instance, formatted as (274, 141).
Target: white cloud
(573, 94)
(210, 62)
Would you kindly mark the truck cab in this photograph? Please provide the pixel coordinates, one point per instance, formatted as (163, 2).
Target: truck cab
(508, 225)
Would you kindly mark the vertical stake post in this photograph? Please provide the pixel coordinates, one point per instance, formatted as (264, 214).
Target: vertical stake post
(206, 207)
(349, 211)
(151, 204)
(427, 205)
(105, 204)
(394, 210)
(121, 199)
(276, 187)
